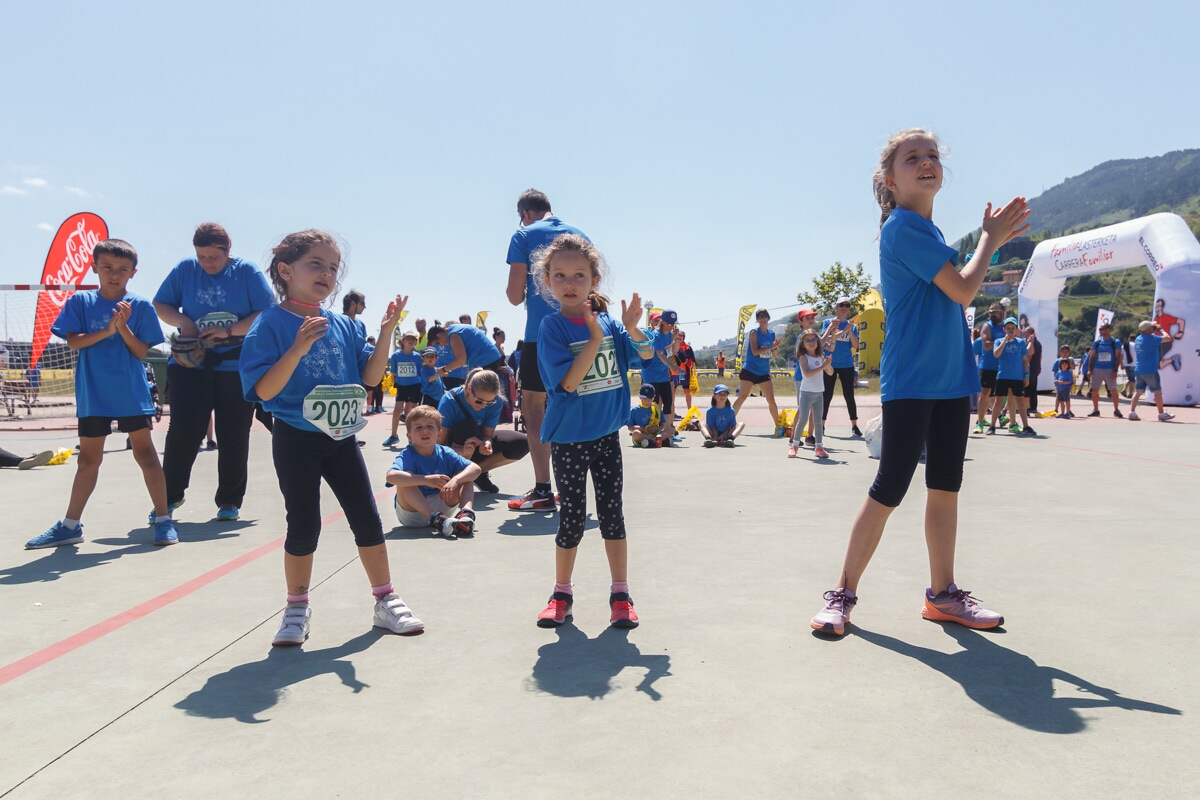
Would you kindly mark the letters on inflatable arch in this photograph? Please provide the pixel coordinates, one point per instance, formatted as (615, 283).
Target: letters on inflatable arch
(1161, 242)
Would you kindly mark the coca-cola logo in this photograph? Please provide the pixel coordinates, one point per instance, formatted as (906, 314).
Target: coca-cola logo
(70, 254)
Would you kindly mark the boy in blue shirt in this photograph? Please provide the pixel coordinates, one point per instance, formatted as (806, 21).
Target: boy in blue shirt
(432, 386)
(1064, 379)
(645, 419)
(1012, 376)
(434, 484)
(1146, 349)
(111, 330)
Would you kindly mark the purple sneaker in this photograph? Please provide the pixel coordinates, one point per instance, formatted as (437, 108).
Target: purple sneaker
(836, 613)
(957, 605)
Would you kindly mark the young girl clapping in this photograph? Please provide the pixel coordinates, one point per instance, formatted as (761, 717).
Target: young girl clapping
(812, 365)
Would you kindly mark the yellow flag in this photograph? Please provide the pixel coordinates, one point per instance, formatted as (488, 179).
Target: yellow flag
(481, 321)
(398, 334)
(744, 315)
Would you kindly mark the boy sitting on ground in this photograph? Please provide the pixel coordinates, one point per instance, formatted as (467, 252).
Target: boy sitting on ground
(434, 484)
(645, 419)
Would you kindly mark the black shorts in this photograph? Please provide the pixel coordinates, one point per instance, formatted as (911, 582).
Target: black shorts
(665, 396)
(1006, 385)
(530, 376)
(452, 383)
(408, 394)
(755, 379)
(99, 427)
(426, 400)
(987, 378)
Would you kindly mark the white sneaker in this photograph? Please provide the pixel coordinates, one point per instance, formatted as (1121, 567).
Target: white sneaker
(293, 629)
(1165, 417)
(1133, 417)
(392, 615)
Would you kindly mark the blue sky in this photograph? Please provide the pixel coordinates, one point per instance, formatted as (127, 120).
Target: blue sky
(719, 154)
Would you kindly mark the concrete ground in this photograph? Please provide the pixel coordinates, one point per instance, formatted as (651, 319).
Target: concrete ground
(133, 671)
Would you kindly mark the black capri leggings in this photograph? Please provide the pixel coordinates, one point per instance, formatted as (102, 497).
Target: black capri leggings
(513, 445)
(572, 462)
(302, 458)
(846, 375)
(941, 426)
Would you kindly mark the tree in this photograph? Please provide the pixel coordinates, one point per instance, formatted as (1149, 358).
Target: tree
(835, 282)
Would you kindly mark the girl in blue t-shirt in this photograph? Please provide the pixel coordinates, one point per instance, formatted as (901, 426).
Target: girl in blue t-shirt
(405, 365)
(761, 346)
(307, 366)
(583, 357)
(926, 375)
(720, 426)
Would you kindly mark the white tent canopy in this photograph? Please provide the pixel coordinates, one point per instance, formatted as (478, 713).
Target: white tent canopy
(1161, 242)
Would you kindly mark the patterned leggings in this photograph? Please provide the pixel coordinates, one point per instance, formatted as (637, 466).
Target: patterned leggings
(571, 465)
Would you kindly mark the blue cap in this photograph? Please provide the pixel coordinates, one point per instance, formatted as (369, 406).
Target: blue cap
(670, 317)
(720, 387)
(647, 391)
(1013, 320)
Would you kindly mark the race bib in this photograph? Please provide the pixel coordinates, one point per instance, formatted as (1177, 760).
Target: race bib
(216, 319)
(406, 369)
(336, 410)
(604, 375)
(1104, 358)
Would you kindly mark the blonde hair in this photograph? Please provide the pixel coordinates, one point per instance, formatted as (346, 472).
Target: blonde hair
(483, 380)
(883, 195)
(569, 243)
(422, 412)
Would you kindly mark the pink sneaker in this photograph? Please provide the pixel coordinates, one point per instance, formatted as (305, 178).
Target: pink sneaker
(957, 605)
(793, 449)
(836, 613)
(821, 452)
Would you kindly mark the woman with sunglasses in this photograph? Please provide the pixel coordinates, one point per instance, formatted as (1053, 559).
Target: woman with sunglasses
(470, 414)
(844, 352)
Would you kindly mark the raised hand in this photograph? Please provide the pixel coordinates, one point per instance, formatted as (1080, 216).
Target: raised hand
(311, 329)
(631, 312)
(1008, 222)
(391, 317)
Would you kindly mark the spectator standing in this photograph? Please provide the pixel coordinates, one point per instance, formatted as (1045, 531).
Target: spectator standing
(844, 351)
(1034, 348)
(1107, 355)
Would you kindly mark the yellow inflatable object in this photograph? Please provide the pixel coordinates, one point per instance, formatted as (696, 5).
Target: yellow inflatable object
(389, 384)
(871, 324)
(693, 413)
(61, 456)
(787, 419)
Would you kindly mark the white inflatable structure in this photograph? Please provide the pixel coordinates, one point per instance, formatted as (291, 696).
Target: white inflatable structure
(1161, 242)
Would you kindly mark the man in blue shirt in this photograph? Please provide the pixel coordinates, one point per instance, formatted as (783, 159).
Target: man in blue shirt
(539, 227)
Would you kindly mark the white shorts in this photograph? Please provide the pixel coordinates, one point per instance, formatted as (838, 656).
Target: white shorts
(415, 519)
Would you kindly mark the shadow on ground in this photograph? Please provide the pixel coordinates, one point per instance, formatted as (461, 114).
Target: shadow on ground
(248, 690)
(1012, 685)
(576, 666)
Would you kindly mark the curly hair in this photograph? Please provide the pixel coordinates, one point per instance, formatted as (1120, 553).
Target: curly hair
(569, 243)
(295, 246)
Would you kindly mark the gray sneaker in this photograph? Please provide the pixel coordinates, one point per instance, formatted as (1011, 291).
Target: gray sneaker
(392, 615)
(40, 460)
(1165, 417)
(293, 629)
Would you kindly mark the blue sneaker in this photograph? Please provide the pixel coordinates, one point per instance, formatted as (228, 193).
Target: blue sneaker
(227, 513)
(170, 510)
(56, 536)
(165, 533)
(391, 440)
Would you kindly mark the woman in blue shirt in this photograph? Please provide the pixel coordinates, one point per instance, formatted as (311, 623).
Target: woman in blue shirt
(761, 346)
(470, 414)
(926, 375)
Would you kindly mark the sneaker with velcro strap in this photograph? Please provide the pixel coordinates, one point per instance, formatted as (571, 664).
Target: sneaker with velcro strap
(391, 614)
(295, 625)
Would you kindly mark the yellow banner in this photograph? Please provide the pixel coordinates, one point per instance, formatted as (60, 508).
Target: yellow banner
(743, 317)
(398, 334)
(481, 321)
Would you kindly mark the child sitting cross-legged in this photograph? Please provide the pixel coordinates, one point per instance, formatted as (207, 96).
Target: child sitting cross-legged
(645, 419)
(434, 484)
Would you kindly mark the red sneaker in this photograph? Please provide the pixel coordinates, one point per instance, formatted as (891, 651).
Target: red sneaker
(623, 615)
(532, 501)
(557, 611)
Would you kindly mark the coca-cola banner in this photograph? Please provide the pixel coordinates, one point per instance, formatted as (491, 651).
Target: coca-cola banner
(68, 261)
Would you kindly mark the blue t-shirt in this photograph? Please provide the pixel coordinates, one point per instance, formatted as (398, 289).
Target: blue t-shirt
(521, 248)
(110, 381)
(653, 369)
(358, 323)
(406, 368)
(640, 415)
(977, 351)
(487, 417)
(843, 351)
(988, 361)
(445, 356)
(443, 461)
(1012, 360)
(600, 403)
(927, 346)
(240, 289)
(758, 365)
(434, 388)
(1104, 354)
(720, 420)
(1064, 379)
(1146, 347)
(336, 359)
(481, 350)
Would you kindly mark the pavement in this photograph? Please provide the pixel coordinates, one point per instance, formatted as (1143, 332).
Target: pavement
(133, 671)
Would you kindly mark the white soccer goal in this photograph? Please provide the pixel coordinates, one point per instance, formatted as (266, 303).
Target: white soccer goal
(29, 388)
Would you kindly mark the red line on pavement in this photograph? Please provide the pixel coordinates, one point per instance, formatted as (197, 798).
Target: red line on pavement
(44, 656)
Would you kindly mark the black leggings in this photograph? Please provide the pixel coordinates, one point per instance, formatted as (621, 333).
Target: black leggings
(195, 394)
(941, 427)
(513, 445)
(302, 458)
(572, 462)
(847, 376)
